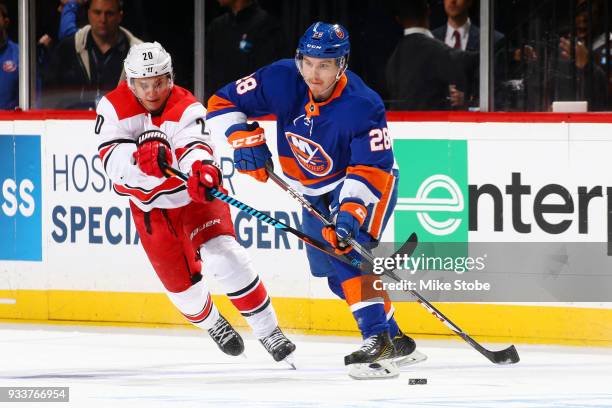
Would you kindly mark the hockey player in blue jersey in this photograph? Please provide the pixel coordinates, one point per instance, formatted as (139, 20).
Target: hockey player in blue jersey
(333, 147)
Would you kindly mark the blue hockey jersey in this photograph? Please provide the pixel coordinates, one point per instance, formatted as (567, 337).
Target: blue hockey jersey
(342, 141)
(9, 76)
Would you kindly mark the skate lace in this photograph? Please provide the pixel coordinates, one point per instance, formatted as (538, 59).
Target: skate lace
(222, 332)
(273, 340)
(368, 343)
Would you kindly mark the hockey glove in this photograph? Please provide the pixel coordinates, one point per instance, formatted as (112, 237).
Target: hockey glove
(146, 155)
(250, 150)
(205, 174)
(350, 218)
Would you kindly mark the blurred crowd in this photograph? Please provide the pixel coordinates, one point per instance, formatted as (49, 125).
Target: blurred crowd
(417, 54)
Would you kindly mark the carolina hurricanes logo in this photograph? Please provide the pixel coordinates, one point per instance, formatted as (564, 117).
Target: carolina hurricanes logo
(310, 155)
(9, 66)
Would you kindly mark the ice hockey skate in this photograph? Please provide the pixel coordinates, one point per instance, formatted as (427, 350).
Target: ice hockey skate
(228, 339)
(279, 346)
(374, 359)
(405, 351)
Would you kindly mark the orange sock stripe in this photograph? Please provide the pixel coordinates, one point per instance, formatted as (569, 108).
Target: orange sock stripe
(388, 304)
(362, 289)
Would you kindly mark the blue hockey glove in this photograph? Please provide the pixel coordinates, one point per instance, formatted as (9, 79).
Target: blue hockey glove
(251, 152)
(350, 218)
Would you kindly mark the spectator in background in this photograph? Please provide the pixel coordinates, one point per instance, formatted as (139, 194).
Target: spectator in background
(239, 42)
(423, 73)
(89, 63)
(460, 33)
(69, 10)
(9, 62)
(70, 18)
(590, 78)
(554, 73)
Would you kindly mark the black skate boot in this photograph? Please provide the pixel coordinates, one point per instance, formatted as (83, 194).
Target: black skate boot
(279, 346)
(406, 353)
(374, 359)
(374, 348)
(228, 339)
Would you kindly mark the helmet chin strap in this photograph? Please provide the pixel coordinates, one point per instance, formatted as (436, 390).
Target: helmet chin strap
(338, 76)
(332, 85)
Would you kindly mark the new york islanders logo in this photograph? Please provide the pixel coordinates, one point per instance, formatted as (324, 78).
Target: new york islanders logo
(310, 155)
(9, 66)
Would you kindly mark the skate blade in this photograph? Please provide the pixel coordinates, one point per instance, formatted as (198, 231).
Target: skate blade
(379, 370)
(290, 360)
(412, 358)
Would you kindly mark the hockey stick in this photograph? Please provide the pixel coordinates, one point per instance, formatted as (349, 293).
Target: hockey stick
(317, 214)
(505, 356)
(362, 266)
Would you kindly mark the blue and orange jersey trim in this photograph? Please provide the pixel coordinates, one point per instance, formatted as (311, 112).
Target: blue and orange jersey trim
(375, 179)
(312, 107)
(380, 211)
(218, 105)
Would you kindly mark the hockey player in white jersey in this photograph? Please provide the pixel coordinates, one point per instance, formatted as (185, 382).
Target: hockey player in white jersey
(183, 231)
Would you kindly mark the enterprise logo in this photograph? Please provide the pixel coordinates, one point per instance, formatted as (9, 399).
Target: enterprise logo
(423, 204)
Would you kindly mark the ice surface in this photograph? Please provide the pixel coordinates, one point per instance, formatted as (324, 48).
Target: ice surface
(121, 367)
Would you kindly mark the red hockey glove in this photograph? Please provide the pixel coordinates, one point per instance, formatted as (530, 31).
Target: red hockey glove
(350, 218)
(146, 155)
(205, 174)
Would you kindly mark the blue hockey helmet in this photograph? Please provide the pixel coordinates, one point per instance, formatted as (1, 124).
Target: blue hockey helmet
(324, 40)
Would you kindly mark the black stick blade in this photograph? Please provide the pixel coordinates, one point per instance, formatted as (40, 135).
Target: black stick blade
(409, 246)
(407, 249)
(505, 356)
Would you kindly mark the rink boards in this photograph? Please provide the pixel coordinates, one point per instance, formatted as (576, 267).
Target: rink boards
(70, 251)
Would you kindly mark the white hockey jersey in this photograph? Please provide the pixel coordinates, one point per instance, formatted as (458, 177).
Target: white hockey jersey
(121, 119)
